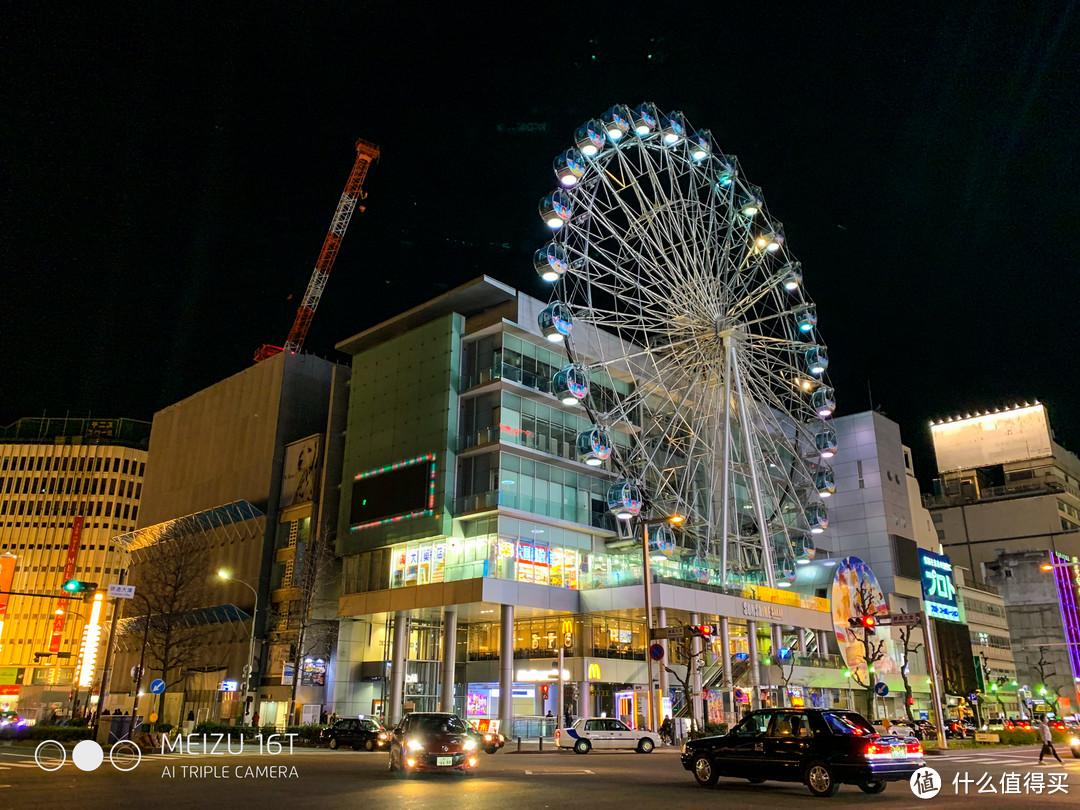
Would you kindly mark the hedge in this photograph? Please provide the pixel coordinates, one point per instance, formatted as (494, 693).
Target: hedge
(40, 732)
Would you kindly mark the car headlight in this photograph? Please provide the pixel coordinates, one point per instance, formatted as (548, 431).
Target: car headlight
(489, 737)
(1074, 741)
(414, 745)
(470, 745)
(384, 736)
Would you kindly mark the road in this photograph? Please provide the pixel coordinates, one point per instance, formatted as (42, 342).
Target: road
(505, 781)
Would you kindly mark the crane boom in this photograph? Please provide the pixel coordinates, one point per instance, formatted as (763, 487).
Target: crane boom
(366, 152)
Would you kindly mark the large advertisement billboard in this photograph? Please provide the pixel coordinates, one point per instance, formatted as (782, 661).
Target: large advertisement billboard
(298, 478)
(938, 589)
(992, 438)
(856, 593)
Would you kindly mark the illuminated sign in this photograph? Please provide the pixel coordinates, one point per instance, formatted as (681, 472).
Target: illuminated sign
(537, 675)
(939, 592)
(230, 686)
(991, 438)
(513, 431)
(594, 672)
(390, 494)
(91, 642)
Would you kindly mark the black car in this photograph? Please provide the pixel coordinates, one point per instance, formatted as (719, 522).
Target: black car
(361, 733)
(822, 748)
(487, 741)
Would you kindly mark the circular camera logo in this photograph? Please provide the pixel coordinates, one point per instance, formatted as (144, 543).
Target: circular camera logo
(926, 783)
(87, 755)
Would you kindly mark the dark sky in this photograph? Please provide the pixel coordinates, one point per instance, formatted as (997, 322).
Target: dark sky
(168, 174)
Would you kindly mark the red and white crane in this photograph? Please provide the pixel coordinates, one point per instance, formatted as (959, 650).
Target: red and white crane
(366, 152)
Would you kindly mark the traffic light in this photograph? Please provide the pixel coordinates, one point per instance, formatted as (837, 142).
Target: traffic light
(77, 586)
(911, 701)
(704, 631)
(544, 689)
(867, 623)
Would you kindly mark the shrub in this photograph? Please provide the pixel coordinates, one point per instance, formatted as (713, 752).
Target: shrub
(308, 733)
(40, 732)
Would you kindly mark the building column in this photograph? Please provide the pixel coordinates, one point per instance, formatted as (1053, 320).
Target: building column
(506, 670)
(777, 632)
(696, 703)
(755, 665)
(729, 683)
(584, 702)
(449, 653)
(664, 692)
(800, 641)
(823, 642)
(397, 667)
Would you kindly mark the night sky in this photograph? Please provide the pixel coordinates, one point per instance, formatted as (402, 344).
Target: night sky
(168, 174)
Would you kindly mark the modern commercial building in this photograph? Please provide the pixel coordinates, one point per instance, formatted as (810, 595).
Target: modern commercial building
(67, 488)
(477, 544)
(239, 481)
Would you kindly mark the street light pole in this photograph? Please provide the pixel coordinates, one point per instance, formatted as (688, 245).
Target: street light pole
(251, 646)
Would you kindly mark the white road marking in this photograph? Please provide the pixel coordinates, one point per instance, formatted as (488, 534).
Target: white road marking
(559, 773)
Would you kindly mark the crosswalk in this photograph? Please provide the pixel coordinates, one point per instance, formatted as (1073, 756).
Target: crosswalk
(1027, 758)
(10, 761)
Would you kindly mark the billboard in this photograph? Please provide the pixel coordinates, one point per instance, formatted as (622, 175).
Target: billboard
(992, 438)
(955, 658)
(298, 476)
(855, 592)
(7, 575)
(938, 589)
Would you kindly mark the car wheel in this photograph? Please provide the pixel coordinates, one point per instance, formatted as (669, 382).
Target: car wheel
(369, 745)
(645, 746)
(582, 747)
(704, 771)
(1076, 754)
(491, 749)
(872, 787)
(820, 780)
(333, 743)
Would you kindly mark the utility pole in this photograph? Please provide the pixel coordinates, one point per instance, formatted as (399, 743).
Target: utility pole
(107, 663)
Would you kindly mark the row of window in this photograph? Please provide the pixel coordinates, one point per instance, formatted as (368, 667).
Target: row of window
(986, 608)
(66, 508)
(989, 640)
(68, 486)
(61, 464)
(56, 546)
(28, 524)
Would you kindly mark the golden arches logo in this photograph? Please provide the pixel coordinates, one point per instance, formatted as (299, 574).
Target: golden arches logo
(594, 672)
(567, 626)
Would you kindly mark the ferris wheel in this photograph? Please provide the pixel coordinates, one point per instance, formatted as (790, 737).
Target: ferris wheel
(691, 344)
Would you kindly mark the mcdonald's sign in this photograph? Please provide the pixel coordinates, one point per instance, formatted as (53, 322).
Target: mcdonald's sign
(594, 671)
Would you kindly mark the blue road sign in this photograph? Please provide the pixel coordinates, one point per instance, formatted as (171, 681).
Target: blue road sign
(881, 689)
(656, 652)
(157, 687)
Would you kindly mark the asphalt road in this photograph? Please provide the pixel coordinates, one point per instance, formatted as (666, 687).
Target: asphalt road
(505, 781)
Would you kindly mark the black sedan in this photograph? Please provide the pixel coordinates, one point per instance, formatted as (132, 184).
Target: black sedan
(361, 733)
(488, 741)
(822, 748)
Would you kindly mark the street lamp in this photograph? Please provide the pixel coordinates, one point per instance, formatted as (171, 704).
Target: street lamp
(654, 710)
(251, 647)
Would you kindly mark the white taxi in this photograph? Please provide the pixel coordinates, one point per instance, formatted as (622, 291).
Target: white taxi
(605, 734)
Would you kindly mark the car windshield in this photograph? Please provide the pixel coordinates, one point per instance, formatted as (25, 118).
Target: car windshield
(848, 723)
(369, 725)
(438, 724)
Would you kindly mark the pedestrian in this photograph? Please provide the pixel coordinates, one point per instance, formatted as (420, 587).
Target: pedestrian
(666, 731)
(1047, 741)
(322, 718)
(569, 720)
(549, 713)
(255, 720)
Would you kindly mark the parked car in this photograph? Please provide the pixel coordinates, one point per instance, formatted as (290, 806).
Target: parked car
(11, 720)
(360, 733)
(432, 741)
(488, 741)
(606, 734)
(822, 748)
(897, 728)
(954, 729)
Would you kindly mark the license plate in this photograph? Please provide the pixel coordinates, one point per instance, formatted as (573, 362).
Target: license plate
(899, 751)
(443, 761)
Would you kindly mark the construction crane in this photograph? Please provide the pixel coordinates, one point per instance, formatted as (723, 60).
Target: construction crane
(366, 152)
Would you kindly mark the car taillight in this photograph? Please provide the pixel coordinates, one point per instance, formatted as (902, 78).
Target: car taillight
(556, 734)
(914, 748)
(878, 749)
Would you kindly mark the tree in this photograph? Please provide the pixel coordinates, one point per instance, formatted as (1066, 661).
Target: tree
(784, 661)
(172, 577)
(314, 636)
(680, 649)
(1046, 673)
(873, 651)
(909, 649)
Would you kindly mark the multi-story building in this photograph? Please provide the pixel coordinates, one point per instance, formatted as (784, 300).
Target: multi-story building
(241, 476)
(1003, 485)
(1041, 593)
(68, 487)
(983, 610)
(477, 544)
